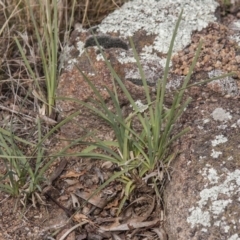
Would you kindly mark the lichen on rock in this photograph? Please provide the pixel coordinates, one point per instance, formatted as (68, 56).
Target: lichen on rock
(159, 18)
(205, 181)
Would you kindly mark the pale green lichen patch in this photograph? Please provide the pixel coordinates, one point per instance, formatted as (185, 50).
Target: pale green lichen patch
(71, 62)
(174, 83)
(123, 58)
(218, 140)
(234, 237)
(219, 114)
(199, 217)
(80, 47)
(205, 121)
(215, 154)
(159, 18)
(227, 85)
(215, 208)
(211, 174)
(215, 198)
(141, 107)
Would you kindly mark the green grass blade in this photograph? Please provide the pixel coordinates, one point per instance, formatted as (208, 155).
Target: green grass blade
(69, 118)
(144, 81)
(208, 80)
(161, 85)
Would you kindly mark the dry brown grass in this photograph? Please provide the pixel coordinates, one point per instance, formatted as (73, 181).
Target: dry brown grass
(19, 95)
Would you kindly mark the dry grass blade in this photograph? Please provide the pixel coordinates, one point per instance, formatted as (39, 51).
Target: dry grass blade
(134, 224)
(12, 14)
(92, 12)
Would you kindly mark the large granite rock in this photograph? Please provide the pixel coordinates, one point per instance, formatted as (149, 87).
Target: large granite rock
(202, 200)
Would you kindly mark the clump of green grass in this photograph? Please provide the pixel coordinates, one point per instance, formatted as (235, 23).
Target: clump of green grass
(26, 163)
(139, 153)
(21, 177)
(39, 26)
(48, 49)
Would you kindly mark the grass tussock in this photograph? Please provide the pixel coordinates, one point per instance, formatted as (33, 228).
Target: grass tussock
(32, 35)
(143, 155)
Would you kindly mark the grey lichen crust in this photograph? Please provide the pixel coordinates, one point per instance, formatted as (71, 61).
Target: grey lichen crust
(156, 18)
(227, 85)
(159, 18)
(215, 198)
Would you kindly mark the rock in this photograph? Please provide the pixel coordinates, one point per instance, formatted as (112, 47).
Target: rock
(202, 198)
(151, 36)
